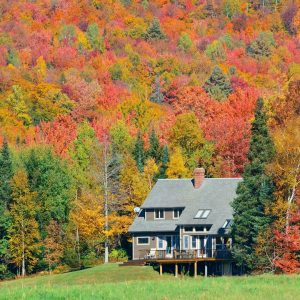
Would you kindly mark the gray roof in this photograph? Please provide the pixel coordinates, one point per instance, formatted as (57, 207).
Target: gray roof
(214, 194)
(140, 225)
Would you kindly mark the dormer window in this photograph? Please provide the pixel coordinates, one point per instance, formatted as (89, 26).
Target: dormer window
(202, 214)
(159, 214)
(176, 213)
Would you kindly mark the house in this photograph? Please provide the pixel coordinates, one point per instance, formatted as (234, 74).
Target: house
(187, 221)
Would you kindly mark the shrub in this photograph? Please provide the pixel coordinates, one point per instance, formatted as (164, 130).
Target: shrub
(118, 254)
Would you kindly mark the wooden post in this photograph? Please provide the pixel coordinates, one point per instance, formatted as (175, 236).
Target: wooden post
(176, 270)
(205, 270)
(160, 269)
(195, 269)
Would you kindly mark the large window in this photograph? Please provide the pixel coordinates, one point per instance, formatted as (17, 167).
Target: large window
(160, 243)
(159, 214)
(186, 242)
(202, 214)
(176, 213)
(144, 240)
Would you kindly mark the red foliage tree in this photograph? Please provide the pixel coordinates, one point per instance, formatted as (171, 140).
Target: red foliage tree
(288, 244)
(60, 133)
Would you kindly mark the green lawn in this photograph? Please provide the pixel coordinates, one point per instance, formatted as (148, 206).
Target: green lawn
(113, 282)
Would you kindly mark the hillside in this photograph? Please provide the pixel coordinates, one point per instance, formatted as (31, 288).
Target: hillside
(101, 98)
(112, 282)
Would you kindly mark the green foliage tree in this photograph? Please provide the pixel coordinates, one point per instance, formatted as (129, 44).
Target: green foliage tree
(6, 174)
(254, 194)
(154, 31)
(185, 43)
(155, 149)
(164, 162)
(94, 38)
(215, 51)
(262, 46)
(23, 233)
(218, 86)
(231, 8)
(139, 152)
(13, 57)
(157, 96)
(50, 178)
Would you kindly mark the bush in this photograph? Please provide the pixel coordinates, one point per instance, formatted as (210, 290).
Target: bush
(89, 259)
(118, 254)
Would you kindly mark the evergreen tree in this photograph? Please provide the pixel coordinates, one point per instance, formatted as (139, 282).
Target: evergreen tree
(154, 31)
(254, 194)
(164, 162)
(6, 173)
(139, 153)
(23, 233)
(157, 96)
(154, 150)
(218, 85)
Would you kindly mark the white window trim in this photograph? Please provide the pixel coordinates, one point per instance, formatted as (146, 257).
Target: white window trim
(143, 237)
(160, 238)
(177, 209)
(155, 214)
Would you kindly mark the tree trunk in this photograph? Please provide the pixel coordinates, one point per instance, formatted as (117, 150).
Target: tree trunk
(78, 246)
(105, 202)
(23, 250)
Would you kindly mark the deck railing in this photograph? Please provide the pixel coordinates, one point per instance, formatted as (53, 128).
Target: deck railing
(155, 254)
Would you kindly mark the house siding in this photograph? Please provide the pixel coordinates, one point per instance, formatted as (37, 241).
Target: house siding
(150, 214)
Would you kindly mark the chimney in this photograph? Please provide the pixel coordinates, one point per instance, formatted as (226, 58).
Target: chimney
(199, 175)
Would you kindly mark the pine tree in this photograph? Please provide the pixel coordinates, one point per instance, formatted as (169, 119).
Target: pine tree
(157, 95)
(23, 233)
(164, 162)
(6, 173)
(139, 152)
(254, 194)
(154, 31)
(154, 150)
(218, 85)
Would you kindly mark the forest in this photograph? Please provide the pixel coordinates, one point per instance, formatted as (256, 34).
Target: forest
(100, 98)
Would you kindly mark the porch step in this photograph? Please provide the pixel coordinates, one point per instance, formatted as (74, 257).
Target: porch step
(130, 263)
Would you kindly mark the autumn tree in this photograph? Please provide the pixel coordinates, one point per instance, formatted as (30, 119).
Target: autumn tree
(154, 31)
(23, 232)
(176, 165)
(53, 245)
(254, 194)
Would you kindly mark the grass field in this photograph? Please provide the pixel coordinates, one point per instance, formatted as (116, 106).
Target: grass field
(113, 282)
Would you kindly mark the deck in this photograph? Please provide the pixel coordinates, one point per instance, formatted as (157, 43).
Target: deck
(178, 257)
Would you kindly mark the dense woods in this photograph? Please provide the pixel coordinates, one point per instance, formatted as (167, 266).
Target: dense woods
(99, 99)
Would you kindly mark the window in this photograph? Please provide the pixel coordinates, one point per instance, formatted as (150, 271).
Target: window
(176, 213)
(188, 229)
(143, 240)
(194, 242)
(185, 242)
(226, 224)
(202, 214)
(160, 243)
(159, 214)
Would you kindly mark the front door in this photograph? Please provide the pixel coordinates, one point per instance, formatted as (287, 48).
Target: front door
(169, 246)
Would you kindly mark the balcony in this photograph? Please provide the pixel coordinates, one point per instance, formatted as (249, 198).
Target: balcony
(185, 255)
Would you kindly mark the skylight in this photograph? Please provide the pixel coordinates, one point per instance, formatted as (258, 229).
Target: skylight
(202, 214)
(226, 224)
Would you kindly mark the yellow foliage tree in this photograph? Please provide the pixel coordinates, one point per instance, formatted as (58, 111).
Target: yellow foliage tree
(23, 233)
(176, 166)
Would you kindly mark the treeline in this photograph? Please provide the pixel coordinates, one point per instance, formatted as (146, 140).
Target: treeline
(266, 225)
